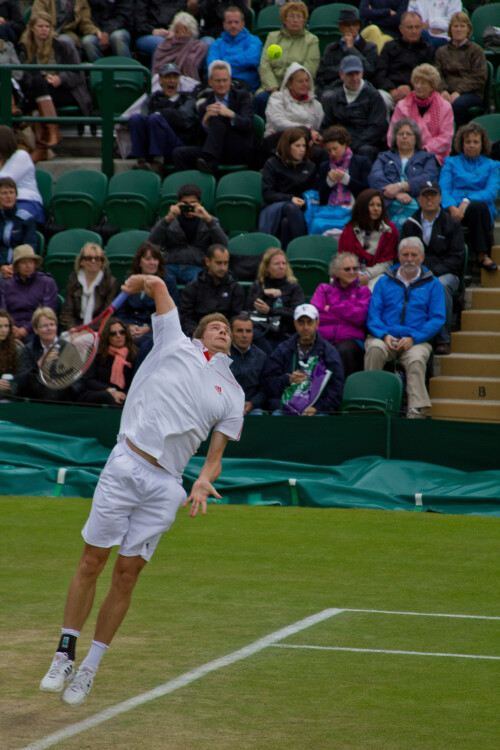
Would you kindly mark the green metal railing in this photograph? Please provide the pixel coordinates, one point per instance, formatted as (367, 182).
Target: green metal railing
(106, 118)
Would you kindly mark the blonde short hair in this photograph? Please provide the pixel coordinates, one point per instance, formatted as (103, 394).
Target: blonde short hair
(461, 17)
(42, 312)
(428, 73)
(90, 246)
(293, 7)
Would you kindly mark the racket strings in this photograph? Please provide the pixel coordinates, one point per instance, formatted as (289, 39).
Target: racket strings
(67, 359)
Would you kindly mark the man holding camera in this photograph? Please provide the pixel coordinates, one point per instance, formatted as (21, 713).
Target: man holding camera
(185, 234)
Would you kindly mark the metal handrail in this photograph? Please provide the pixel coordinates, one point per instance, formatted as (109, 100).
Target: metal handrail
(107, 119)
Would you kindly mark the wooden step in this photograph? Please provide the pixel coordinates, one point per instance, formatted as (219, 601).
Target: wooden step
(480, 320)
(471, 365)
(464, 388)
(485, 299)
(475, 342)
(474, 411)
(495, 254)
(490, 278)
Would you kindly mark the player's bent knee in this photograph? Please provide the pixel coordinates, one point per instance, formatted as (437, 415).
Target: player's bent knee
(93, 560)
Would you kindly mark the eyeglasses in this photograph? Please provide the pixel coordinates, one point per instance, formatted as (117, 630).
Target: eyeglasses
(296, 16)
(92, 258)
(350, 268)
(121, 332)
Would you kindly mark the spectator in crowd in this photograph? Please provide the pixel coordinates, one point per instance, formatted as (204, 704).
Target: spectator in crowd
(435, 15)
(185, 235)
(16, 163)
(469, 185)
(356, 105)
(70, 21)
(170, 123)
(344, 175)
(350, 43)
(247, 364)
(182, 47)
(398, 173)
(406, 312)
(55, 88)
(387, 15)
(272, 299)
(370, 236)
(10, 352)
(238, 47)
(212, 13)
(91, 287)
(432, 114)
(44, 326)
(8, 56)
(109, 376)
(12, 23)
(399, 57)
(462, 67)
(297, 45)
(343, 307)
(294, 105)
(17, 227)
(444, 245)
(291, 366)
(152, 19)
(286, 175)
(28, 289)
(214, 290)
(113, 19)
(137, 309)
(227, 118)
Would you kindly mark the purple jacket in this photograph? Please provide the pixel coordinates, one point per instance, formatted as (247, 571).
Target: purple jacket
(347, 310)
(21, 298)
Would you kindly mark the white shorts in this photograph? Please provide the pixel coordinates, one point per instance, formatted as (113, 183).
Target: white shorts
(134, 503)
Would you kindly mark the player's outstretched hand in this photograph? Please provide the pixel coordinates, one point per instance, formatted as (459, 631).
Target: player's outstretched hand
(141, 283)
(201, 490)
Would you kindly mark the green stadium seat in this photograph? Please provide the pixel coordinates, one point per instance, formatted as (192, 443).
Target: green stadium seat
(372, 391)
(128, 85)
(171, 184)
(310, 274)
(313, 247)
(252, 243)
(238, 201)
(484, 107)
(268, 19)
(78, 198)
(121, 249)
(132, 199)
(45, 182)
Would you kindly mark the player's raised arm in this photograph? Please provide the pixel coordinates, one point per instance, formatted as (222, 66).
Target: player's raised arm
(154, 287)
(211, 469)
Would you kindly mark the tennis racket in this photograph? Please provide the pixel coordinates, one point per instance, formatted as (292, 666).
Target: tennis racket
(72, 354)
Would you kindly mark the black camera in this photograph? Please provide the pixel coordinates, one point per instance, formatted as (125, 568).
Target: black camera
(187, 208)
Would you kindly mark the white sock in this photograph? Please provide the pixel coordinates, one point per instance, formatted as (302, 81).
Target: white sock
(94, 656)
(68, 631)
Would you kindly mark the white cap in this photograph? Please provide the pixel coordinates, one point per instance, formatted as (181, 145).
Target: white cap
(308, 310)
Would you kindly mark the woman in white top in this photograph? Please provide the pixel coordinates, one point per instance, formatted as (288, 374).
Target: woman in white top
(294, 105)
(16, 163)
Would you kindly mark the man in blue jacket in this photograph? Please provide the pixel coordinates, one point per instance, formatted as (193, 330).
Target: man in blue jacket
(406, 311)
(287, 365)
(238, 47)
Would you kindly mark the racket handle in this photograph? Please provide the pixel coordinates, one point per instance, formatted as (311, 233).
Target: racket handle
(118, 301)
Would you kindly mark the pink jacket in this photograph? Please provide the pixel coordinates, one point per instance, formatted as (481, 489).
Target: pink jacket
(347, 310)
(440, 145)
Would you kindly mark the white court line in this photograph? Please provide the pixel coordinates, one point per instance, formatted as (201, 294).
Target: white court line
(181, 681)
(384, 651)
(420, 614)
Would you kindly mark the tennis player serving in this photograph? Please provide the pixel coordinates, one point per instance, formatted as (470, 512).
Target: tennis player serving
(182, 389)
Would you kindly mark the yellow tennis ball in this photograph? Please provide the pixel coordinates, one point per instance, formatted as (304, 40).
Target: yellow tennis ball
(274, 51)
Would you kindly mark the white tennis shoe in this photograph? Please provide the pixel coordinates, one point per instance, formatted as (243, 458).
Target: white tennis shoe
(79, 687)
(60, 671)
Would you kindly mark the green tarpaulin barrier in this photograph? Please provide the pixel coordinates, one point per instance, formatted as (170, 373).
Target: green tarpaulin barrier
(42, 463)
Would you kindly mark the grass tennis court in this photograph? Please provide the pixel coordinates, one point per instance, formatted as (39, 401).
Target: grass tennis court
(227, 581)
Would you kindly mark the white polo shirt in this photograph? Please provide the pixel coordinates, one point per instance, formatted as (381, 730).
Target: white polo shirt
(177, 396)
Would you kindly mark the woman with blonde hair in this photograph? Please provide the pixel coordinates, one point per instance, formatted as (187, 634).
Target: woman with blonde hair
(91, 287)
(48, 90)
(182, 47)
(432, 114)
(272, 299)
